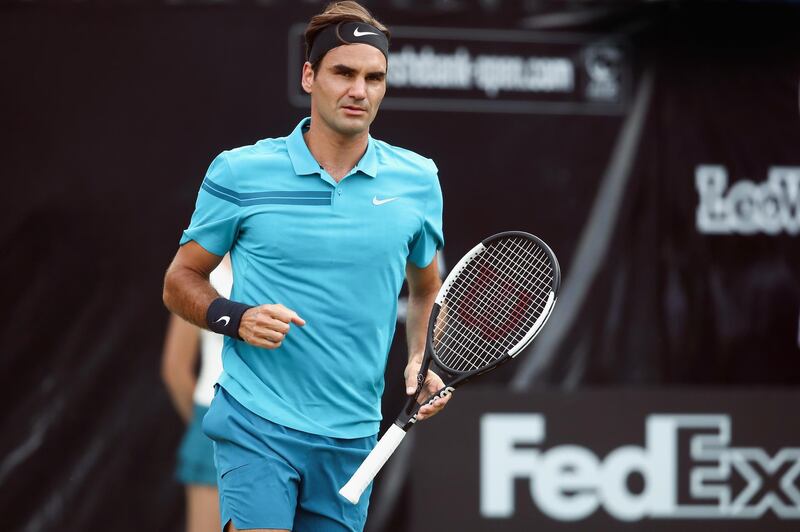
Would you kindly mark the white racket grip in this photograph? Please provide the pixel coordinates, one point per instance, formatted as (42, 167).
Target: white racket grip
(372, 464)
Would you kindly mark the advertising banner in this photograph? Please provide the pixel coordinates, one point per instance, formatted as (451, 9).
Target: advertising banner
(497, 71)
(609, 460)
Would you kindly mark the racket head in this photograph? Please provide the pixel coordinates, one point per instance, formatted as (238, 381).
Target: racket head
(493, 303)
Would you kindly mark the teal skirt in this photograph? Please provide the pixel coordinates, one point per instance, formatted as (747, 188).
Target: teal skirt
(196, 453)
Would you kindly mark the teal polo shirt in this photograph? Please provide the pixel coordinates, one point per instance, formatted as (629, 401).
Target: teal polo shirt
(333, 252)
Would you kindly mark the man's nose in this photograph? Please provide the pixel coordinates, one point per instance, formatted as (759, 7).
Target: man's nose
(358, 89)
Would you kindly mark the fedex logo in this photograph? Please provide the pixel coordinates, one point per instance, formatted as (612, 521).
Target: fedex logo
(570, 482)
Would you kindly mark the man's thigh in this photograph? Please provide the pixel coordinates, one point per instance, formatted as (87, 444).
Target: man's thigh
(257, 482)
(328, 466)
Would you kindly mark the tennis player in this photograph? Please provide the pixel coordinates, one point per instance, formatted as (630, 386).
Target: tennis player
(322, 225)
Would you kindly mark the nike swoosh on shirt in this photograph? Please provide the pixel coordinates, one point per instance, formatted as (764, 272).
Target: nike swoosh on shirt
(357, 33)
(376, 201)
(226, 318)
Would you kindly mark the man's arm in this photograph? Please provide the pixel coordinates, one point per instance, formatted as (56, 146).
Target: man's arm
(187, 290)
(188, 293)
(177, 364)
(423, 285)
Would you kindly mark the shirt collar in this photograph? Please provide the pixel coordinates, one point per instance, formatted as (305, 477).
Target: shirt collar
(368, 164)
(302, 160)
(304, 163)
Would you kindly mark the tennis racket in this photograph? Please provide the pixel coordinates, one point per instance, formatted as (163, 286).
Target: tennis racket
(489, 308)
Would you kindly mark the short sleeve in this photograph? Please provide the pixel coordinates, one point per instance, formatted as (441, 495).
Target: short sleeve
(215, 221)
(430, 238)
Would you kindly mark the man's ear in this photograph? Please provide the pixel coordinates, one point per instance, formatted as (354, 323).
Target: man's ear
(307, 79)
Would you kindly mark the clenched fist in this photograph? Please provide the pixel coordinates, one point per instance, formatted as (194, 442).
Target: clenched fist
(267, 325)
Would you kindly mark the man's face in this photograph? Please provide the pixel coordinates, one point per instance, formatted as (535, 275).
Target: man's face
(348, 87)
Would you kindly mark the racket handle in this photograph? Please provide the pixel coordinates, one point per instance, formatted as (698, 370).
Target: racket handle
(372, 464)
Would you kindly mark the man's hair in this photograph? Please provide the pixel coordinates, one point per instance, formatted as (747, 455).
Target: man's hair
(334, 13)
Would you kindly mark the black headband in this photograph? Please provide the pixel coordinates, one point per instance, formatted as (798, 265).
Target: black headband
(347, 33)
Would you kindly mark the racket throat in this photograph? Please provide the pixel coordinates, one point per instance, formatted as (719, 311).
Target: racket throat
(406, 422)
(411, 411)
(409, 414)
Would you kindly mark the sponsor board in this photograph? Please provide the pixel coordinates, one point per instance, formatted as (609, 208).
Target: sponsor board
(610, 461)
(747, 207)
(481, 70)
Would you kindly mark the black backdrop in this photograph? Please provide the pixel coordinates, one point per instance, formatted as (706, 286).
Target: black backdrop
(111, 113)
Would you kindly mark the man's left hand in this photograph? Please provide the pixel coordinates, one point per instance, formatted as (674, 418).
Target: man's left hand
(433, 383)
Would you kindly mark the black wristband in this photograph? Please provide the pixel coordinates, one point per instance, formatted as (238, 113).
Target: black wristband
(223, 316)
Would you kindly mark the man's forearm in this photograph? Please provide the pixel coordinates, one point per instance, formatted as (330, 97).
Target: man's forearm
(417, 314)
(188, 294)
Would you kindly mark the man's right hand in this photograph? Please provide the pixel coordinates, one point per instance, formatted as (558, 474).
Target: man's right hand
(267, 325)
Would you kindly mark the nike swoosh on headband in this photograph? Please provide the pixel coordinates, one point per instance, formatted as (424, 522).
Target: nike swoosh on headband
(357, 33)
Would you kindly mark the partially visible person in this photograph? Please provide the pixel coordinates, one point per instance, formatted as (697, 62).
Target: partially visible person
(191, 393)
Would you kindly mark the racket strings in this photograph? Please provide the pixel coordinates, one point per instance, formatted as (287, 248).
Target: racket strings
(492, 342)
(481, 354)
(502, 292)
(492, 304)
(486, 322)
(505, 292)
(479, 307)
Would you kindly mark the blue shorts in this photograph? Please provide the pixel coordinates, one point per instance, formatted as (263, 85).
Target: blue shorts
(271, 476)
(196, 453)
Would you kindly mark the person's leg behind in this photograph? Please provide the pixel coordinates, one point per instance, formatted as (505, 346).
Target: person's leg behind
(202, 509)
(197, 472)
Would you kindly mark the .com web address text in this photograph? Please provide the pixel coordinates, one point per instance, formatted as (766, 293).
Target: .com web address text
(492, 74)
